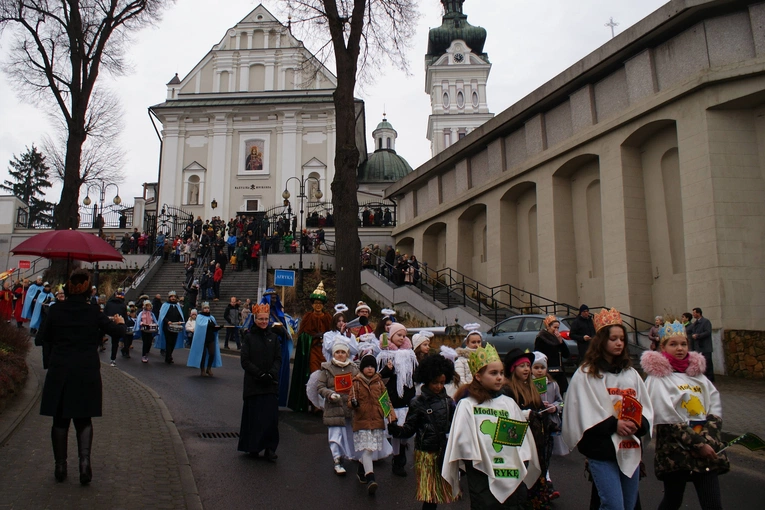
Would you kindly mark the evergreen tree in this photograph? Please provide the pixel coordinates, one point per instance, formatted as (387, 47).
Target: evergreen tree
(30, 180)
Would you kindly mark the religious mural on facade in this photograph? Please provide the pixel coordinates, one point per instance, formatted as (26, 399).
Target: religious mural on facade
(254, 155)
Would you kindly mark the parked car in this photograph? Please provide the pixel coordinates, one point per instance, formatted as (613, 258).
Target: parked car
(521, 330)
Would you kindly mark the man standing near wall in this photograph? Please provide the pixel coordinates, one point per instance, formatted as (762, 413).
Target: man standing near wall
(702, 340)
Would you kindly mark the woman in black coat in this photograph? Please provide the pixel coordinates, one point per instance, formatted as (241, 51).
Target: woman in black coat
(551, 344)
(261, 357)
(72, 391)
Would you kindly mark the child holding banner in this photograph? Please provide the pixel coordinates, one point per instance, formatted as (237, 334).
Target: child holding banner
(334, 385)
(489, 440)
(687, 414)
(371, 406)
(430, 417)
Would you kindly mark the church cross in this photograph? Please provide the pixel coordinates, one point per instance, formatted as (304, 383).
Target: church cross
(611, 23)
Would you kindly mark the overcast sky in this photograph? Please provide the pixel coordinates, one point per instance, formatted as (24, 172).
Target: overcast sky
(528, 43)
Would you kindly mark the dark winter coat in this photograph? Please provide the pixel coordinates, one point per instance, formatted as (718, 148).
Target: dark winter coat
(430, 417)
(261, 358)
(392, 384)
(556, 352)
(116, 306)
(74, 330)
(581, 327)
(335, 413)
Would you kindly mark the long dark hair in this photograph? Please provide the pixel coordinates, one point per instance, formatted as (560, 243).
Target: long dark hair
(595, 357)
(380, 329)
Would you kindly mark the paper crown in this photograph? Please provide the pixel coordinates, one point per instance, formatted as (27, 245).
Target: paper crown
(550, 319)
(264, 308)
(319, 294)
(668, 330)
(482, 357)
(605, 318)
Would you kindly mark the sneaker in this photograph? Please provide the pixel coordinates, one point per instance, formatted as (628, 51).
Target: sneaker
(371, 484)
(113, 363)
(339, 469)
(360, 474)
(144, 359)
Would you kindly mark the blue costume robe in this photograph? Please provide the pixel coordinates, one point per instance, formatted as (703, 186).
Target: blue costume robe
(159, 340)
(37, 313)
(285, 339)
(198, 343)
(137, 325)
(26, 310)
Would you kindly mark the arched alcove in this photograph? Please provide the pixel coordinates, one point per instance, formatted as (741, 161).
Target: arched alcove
(406, 245)
(434, 246)
(471, 232)
(516, 263)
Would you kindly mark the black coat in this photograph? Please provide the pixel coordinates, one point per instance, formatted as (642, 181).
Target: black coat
(116, 306)
(430, 417)
(391, 384)
(581, 327)
(261, 357)
(548, 344)
(74, 330)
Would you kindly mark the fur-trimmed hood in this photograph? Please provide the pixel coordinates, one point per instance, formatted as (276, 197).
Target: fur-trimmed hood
(654, 363)
(464, 352)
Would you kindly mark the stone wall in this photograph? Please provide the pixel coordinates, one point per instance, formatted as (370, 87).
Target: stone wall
(745, 353)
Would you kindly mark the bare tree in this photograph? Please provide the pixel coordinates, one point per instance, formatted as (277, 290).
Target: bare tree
(361, 34)
(59, 48)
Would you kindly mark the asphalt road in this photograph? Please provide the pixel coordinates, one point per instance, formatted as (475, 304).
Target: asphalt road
(303, 476)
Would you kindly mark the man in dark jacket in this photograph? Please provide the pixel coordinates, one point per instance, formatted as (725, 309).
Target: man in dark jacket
(582, 331)
(701, 340)
(156, 303)
(116, 306)
(390, 260)
(232, 316)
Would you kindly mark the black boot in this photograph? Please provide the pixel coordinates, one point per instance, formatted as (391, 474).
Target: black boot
(360, 474)
(371, 484)
(59, 436)
(399, 461)
(84, 442)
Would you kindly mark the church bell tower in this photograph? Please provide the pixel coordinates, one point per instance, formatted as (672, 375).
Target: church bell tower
(456, 71)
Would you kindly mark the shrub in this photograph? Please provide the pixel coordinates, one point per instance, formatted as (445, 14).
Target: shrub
(14, 346)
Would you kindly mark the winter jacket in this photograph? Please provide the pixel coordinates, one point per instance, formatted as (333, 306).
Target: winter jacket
(335, 413)
(703, 342)
(430, 417)
(116, 306)
(675, 442)
(556, 351)
(369, 413)
(231, 314)
(581, 327)
(391, 383)
(261, 358)
(461, 366)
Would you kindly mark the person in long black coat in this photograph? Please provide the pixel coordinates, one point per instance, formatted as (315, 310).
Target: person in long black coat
(72, 391)
(550, 343)
(261, 358)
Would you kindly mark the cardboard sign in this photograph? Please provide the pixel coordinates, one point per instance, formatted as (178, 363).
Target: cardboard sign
(510, 432)
(343, 383)
(385, 403)
(631, 410)
(540, 384)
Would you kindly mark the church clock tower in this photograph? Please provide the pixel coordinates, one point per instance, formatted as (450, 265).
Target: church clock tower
(456, 71)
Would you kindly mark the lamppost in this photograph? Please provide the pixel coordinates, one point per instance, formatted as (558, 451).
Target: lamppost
(302, 196)
(101, 187)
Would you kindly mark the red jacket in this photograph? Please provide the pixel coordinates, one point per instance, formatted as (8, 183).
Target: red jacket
(218, 276)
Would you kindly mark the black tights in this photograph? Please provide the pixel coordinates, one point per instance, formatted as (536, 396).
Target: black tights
(209, 351)
(707, 489)
(79, 423)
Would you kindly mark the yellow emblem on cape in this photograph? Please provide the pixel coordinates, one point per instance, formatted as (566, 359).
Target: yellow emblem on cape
(694, 406)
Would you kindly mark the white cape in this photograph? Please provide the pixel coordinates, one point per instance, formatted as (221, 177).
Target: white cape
(681, 398)
(590, 400)
(469, 439)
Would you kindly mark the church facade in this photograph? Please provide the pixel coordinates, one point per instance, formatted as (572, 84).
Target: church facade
(634, 179)
(256, 111)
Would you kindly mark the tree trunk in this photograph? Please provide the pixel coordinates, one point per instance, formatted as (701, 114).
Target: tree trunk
(66, 212)
(344, 200)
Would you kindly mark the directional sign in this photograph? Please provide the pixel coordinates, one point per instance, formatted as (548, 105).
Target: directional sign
(24, 264)
(284, 278)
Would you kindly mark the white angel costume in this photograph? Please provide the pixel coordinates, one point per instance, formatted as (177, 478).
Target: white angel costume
(591, 400)
(473, 437)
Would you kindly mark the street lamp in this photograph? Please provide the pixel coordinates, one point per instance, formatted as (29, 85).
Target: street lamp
(101, 187)
(302, 196)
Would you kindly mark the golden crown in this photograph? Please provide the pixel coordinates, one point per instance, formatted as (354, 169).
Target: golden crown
(482, 357)
(264, 308)
(550, 319)
(319, 293)
(668, 331)
(605, 318)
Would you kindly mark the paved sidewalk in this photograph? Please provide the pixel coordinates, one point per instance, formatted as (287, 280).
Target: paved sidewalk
(138, 457)
(742, 405)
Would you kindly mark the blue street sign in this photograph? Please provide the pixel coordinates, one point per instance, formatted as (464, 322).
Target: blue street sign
(284, 278)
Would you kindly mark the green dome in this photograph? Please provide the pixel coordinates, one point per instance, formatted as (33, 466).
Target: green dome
(454, 26)
(384, 125)
(383, 165)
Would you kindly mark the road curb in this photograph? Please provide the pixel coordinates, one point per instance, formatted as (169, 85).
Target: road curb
(23, 403)
(189, 485)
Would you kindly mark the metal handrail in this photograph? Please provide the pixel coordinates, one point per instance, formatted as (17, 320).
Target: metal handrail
(134, 280)
(20, 275)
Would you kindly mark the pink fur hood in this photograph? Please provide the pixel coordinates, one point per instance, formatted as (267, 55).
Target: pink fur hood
(654, 363)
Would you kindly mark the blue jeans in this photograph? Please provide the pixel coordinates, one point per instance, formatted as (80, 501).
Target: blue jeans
(616, 491)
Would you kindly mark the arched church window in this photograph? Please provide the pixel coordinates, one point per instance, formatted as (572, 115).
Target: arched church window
(192, 195)
(379, 145)
(460, 99)
(446, 100)
(387, 143)
(475, 99)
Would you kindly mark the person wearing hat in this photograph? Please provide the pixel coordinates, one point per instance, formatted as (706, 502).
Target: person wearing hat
(116, 306)
(93, 295)
(170, 313)
(582, 331)
(421, 344)
(607, 411)
(30, 298)
(309, 355)
(280, 325)
(363, 310)
(44, 296)
(190, 301)
(72, 390)
(130, 335)
(144, 322)
(551, 344)
(205, 349)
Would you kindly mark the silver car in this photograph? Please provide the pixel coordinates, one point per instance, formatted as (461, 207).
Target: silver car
(521, 331)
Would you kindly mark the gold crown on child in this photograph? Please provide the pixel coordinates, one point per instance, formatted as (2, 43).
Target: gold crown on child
(668, 330)
(606, 318)
(482, 357)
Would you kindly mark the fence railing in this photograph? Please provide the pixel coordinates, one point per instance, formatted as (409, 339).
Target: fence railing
(24, 220)
(375, 213)
(113, 216)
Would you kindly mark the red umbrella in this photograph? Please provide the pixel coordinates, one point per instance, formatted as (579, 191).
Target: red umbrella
(68, 244)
